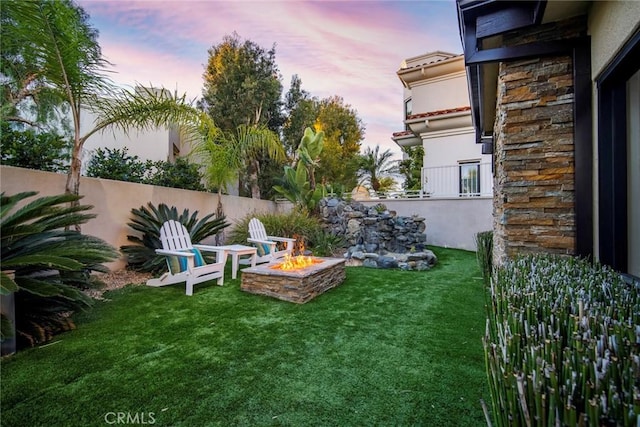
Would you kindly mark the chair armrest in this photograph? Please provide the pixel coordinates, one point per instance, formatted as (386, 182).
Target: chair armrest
(281, 239)
(208, 248)
(175, 253)
(266, 242)
(221, 254)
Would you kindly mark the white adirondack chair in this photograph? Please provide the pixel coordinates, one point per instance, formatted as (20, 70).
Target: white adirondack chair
(267, 250)
(177, 247)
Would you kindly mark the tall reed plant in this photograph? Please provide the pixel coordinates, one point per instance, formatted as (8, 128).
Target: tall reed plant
(562, 344)
(484, 253)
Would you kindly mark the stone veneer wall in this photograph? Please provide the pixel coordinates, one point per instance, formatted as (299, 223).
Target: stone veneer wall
(534, 149)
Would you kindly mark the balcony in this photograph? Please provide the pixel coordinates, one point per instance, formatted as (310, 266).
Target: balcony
(471, 179)
(461, 180)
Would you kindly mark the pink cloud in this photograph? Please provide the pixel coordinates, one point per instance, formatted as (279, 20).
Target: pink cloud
(347, 48)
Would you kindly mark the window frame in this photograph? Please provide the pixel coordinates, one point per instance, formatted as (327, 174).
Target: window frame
(612, 155)
(465, 164)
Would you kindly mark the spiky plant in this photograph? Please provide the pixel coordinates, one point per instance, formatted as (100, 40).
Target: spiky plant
(147, 221)
(484, 254)
(46, 265)
(561, 344)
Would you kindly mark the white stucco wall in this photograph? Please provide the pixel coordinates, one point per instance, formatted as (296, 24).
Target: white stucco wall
(113, 201)
(440, 93)
(448, 147)
(152, 145)
(450, 223)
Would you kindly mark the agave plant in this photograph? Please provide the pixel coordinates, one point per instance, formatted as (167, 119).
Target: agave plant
(141, 256)
(45, 264)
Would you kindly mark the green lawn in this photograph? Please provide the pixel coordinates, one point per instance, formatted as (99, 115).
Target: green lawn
(384, 348)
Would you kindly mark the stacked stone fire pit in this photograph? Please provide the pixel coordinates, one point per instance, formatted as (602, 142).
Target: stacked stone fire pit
(300, 285)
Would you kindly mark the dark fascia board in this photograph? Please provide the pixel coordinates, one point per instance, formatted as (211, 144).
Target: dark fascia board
(480, 19)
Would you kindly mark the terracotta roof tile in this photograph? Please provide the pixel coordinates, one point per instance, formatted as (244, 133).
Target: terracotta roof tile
(439, 112)
(403, 133)
(429, 63)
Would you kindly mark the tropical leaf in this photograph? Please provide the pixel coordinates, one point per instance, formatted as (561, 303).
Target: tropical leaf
(45, 260)
(49, 265)
(148, 220)
(7, 284)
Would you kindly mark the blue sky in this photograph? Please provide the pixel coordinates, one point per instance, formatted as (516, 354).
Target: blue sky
(349, 48)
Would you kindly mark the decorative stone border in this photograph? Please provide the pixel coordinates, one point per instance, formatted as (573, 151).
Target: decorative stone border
(420, 261)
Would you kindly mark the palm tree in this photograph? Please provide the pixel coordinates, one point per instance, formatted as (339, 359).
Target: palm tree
(58, 54)
(227, 153)
(45, 266)
(374, 166)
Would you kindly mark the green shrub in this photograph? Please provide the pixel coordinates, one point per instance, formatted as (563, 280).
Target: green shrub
(180, 174)
(44, 151)
(323, 243)
(46, 265)
(484, 253)
(562, 344)
(116, 164)
(296, 223)
(141, 256)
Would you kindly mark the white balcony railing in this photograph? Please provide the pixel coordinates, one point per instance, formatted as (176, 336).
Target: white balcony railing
(461, 180)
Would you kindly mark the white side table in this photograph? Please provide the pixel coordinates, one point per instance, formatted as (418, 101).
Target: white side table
(236, 251)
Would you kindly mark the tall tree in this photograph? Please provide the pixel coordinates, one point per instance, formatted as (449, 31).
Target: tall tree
(27, 98)
(343, 132)
(376, 168)
(227, 153)
(242, 89)
(242, 85)
(62, 58)
(300, 110)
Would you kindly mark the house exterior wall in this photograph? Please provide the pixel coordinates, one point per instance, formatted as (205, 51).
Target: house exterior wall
(610, 25)
(534, 150)
(155, 145)
(450, 146)
(113, 201)
(441, 93)
(436, 82)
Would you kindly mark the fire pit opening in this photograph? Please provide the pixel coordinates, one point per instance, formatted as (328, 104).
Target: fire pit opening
(299, 262)
(296, 279)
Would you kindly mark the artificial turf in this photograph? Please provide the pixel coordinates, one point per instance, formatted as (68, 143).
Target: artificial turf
(387, 347)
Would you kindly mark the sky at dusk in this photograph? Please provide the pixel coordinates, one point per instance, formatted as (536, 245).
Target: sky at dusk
(350, 48)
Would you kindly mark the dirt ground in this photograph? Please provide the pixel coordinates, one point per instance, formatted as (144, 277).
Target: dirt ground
(119, 279)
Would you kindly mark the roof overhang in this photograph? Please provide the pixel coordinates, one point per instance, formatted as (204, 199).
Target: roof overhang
(421, 123)
(482, 24)
(409, 76)
(406, 139)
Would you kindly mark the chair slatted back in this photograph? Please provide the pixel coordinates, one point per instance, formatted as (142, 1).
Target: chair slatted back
(174, 236)
(256, 230)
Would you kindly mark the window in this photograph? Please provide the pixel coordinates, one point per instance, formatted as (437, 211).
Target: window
(469, 178)
(407, 108)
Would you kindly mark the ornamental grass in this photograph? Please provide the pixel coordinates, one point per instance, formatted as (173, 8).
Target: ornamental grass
(562, 344)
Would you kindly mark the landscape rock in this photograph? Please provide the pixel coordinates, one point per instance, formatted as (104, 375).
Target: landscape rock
(396, 241)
